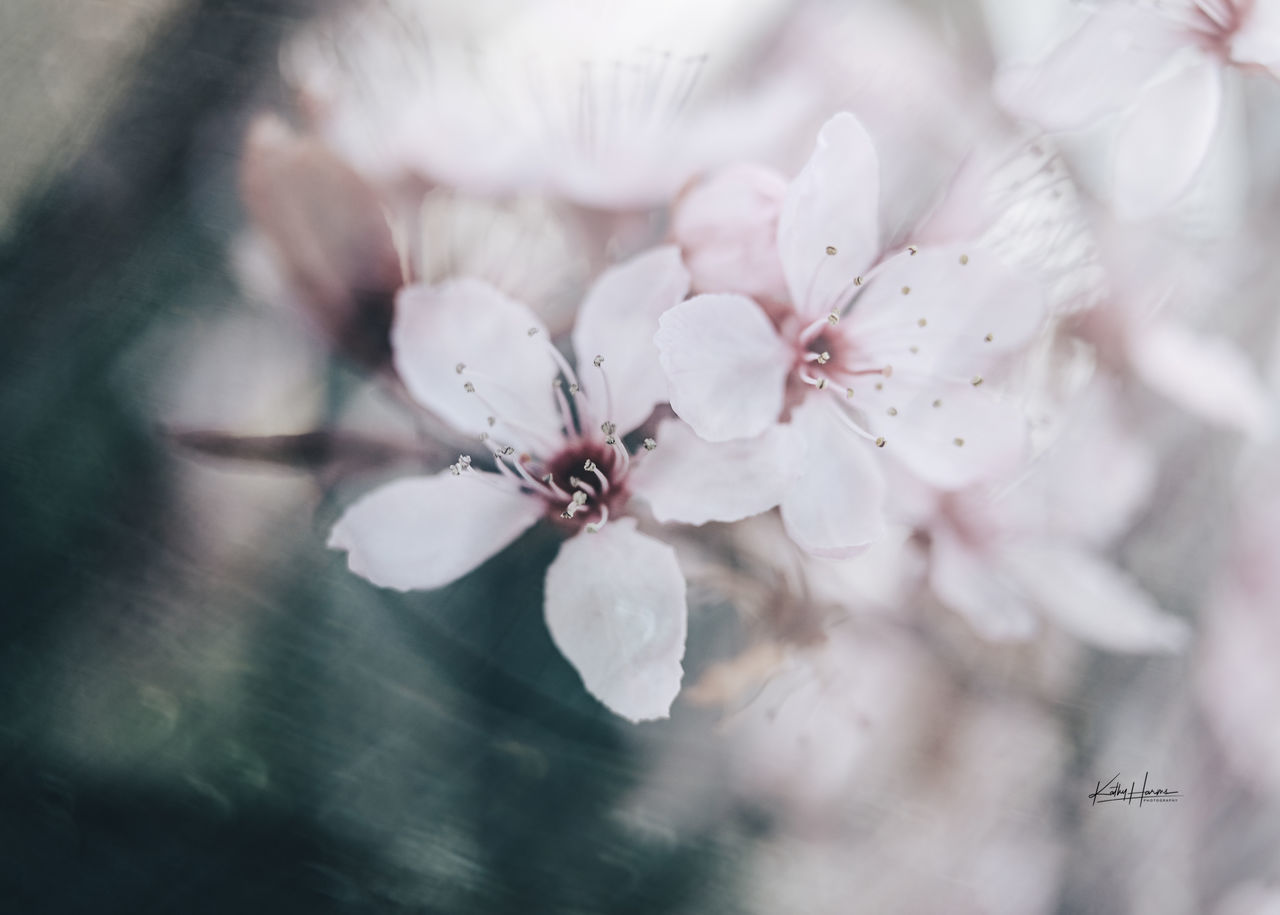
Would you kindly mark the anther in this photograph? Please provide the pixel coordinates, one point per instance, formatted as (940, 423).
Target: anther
(914, 350)
(833, 319)
(857, 281)
(937, 403)
(879, 385)
(906, 290)
(892, 411)
(491, 420)
(959, 442)
(975, 380)
(887, 371)
(532, 332)
(848, 392)
(912, 250)
(822, 383)
(460, 367)
(831, 249)
(579, 498)
(589, 465)
(508, 451)
(823, 358)
(880, 441)
(989, 337)
(650, 444)
(468, 387)
(598, 361)
(574, 388)
(611, 440)
(964, 259)
(608, 428)
(921, 322)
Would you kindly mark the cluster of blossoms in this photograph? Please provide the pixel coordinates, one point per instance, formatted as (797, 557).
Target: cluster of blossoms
(885, 377)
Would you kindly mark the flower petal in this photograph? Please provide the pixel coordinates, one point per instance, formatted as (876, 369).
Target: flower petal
(832, 205)
(615, 605)
(949, 435)
(1206, 375)
(617, 320)
(468, 322)
(1166, 138)
(947, 309)
(835, 507)
(1258, 39)
(424, 532)
(1093, 599)
(727, 228)
(725, 365)
(1098, 70)
(972, 584)
(693, 481)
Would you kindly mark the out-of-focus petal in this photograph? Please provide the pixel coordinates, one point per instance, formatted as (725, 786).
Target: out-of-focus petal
(330, 235)
(727, 228)
(972, 584)
(835, 507)
(949, 435)
(1205, 375)
(1092, 599)
(725, 366)
(1166, 137)
(831, 206)
(693, 481)
(615, 605)
(424, 532)
(617, 320)
(1258, 39)
(468, 323)
(1098, 70)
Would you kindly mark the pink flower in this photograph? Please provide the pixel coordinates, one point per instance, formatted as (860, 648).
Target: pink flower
(1004, 559)
(1161, 68)
(615, 598)
(806, 319)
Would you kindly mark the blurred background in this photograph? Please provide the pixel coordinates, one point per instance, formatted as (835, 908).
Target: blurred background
(202, 710)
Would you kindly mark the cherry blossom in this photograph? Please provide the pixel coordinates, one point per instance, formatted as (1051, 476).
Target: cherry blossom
(482, 362)
(1007, 557)
(853, 347)
(1161, 68)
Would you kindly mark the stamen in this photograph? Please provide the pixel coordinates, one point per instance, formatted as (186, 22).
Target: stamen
(598, 362)
(604, 481)
(582, 486)
(550, 480)
(562, 404)
(594, 526)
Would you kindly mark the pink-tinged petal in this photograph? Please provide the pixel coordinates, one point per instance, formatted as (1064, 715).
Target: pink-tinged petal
(693, 481)
(727, 228)
(725, 365)
(1092, 599)
(1208, 376)
(469, 323)
(831, 206)
(424, 532)
(835, 507)
(1097, 71)
(949, 435)
(1166, 137)
(971, 583)
(1258, 40)
(946, 309)
(615, 605)
(617, 320)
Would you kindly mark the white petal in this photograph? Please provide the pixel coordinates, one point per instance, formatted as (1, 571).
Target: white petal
(615, 605)
(727, 228)
(835, 508)
(1258, 40)
(468, 322)
(1205, 375)
(973, 308)
(424, 532)
(693, 481)
(833, 204)
(725, 365)
(1098, 70)
(1166, 137)
(969, 436)
(971, 583)
(617, 320)
(1093, 599)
